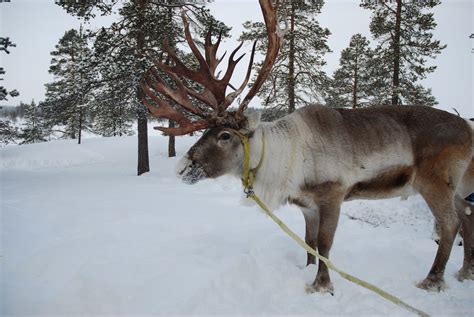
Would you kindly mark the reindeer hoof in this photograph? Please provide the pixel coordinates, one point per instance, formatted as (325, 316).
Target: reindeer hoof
(465, 274)
(319, 288)
(432, 284)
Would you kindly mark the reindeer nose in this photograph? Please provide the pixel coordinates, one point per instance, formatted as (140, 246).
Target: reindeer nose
(182, 165)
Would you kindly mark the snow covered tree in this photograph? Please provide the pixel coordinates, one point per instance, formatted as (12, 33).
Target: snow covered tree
(351, 84)
(8, 132)
(5, 43)
(111, 115)
(403, 30)
(34, 129)
(68, 94)
(122, 48)
(297, 76)
(112, 119)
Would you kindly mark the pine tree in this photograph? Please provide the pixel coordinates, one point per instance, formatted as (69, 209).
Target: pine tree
(68, 94)
(113, 119)
(403, 30)
(34, 129)
(122, 47)
(5, 43)
(112, 116)
(297, 77)
(8, 132)
(351, 84)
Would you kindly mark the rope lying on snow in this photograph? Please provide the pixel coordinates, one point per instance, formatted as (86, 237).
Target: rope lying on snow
(247, 181)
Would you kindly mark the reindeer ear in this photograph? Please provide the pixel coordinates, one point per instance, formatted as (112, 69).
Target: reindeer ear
(252, 119)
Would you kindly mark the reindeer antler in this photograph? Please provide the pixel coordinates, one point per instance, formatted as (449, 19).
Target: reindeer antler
(275, 35)
(213, 93)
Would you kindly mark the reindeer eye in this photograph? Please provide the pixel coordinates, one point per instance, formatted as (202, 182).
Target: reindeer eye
(225, 136)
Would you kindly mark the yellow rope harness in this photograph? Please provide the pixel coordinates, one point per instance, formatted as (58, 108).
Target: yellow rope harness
(248, 179)
(249, 174)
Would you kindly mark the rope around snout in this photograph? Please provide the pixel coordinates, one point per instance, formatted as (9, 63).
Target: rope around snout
(248, 180)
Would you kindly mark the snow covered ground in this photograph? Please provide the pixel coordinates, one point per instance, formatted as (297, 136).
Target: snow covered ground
(82, 235)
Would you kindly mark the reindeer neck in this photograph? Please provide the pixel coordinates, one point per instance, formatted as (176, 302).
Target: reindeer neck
(256, 141)
(279, 149)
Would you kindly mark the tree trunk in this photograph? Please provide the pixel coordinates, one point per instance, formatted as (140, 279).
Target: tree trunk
(171, 141)
(171, 123)
(81, 92)
(396, 55)
(355, 86)
(291, 62)
(143, 165)
(143, 161)
(73, 59)
(79, 138)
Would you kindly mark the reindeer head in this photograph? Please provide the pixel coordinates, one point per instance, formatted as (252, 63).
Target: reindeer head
(216, 153)
(219, 150)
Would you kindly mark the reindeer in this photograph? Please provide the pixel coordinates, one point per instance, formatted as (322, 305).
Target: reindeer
(319, 157)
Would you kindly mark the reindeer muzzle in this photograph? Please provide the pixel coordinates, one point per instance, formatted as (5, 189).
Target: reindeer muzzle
(190, 171)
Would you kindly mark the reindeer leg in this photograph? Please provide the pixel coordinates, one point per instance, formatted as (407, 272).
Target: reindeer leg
(329, 216)
(467, 226)
(311, 218)
(440, 199)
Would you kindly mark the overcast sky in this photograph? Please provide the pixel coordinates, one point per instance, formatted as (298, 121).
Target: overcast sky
(37, 25)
